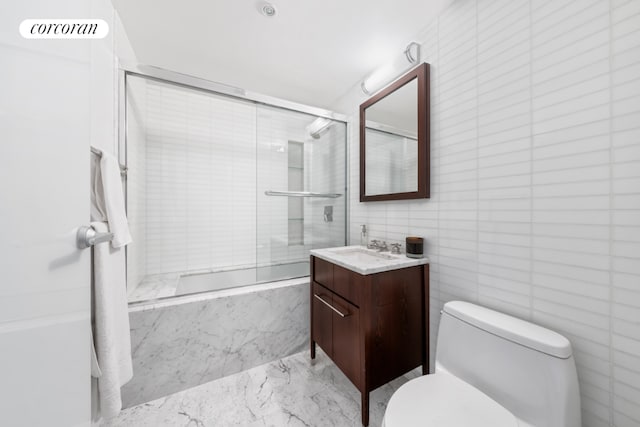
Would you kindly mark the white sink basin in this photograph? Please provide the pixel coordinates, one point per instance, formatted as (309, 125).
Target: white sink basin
(366, 261)
(361, 254)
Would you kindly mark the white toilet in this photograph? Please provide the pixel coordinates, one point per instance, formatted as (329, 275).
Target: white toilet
(492, 370)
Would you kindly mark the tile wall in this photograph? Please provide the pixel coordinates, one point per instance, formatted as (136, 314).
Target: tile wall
(535, 191)
(199, 168)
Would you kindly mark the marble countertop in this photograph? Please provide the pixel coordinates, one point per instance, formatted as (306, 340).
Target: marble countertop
(366, 261)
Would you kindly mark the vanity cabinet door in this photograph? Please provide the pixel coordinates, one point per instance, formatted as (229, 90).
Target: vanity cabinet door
(396, 323)
(321, 322)
(346, 345)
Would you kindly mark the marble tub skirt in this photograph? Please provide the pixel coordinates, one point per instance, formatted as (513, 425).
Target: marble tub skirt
(182, 342)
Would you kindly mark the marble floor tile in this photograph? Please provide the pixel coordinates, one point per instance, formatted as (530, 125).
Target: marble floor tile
(293, 391)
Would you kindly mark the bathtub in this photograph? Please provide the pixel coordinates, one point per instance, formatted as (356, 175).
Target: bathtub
(199, 282)
(181, 342)
(166, 285)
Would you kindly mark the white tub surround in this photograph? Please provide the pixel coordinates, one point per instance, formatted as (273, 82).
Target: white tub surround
(166, 285)
(186, 341)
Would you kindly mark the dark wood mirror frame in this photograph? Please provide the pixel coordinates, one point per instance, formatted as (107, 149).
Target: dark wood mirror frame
(421, 73)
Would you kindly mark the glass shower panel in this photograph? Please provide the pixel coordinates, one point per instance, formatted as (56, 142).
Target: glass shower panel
(191, 187)
(301, 190)
(200, 167)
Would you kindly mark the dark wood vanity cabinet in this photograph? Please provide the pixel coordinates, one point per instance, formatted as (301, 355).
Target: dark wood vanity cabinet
(374, 327)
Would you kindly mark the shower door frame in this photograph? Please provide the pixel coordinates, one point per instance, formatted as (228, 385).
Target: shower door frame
(221, 89)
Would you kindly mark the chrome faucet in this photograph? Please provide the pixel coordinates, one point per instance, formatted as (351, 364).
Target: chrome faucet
(395, 248)
(375, 244)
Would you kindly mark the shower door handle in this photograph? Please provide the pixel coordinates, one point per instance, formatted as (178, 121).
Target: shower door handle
(301, 194)
(341, 314)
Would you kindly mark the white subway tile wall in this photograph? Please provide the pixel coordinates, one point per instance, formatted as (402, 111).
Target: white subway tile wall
(624, 217)
(199, 167)
(391, 163)
(326, 160)
(535, 179)
(277, 128)
(324, 172)
(192, 159)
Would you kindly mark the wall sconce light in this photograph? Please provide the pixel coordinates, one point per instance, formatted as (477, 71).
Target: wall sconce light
(319, 126)
(391, 71)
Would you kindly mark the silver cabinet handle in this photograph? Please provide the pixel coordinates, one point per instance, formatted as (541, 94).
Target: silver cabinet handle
(341, 314)
(87, 237)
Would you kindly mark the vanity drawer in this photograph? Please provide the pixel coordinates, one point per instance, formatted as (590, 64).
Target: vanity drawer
(347, 284)
(323, 272)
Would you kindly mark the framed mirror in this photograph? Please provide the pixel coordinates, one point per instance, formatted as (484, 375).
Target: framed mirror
(394, 140)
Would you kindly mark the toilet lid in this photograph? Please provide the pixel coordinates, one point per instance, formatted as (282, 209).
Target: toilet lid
(443, 400)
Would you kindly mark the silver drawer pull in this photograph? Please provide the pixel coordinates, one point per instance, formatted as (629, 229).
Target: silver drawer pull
(341, 314)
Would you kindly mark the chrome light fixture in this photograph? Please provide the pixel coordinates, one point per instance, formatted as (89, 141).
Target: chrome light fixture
(318, 127)
(391, 71)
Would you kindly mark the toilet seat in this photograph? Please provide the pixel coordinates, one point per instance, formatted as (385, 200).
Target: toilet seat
(444, 400)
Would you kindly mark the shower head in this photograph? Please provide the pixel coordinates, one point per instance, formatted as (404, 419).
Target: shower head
(318, 127)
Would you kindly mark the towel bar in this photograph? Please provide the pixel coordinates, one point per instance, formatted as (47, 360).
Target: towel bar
(87, 237)
(301, 194)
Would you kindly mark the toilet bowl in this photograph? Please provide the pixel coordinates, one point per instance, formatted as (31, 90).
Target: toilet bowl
(492, 370)
(452, 402)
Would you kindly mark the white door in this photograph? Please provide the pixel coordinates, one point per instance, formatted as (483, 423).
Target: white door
(44, 197)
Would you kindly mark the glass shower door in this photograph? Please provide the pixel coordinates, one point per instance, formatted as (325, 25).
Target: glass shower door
(301, 190)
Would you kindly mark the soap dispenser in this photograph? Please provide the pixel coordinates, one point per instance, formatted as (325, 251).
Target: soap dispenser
(364, 238)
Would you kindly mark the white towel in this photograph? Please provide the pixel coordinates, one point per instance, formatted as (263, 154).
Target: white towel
(112, 336)
(98, 209)
(113, 200)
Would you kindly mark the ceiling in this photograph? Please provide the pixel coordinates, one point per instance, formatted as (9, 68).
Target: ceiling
(311, 52)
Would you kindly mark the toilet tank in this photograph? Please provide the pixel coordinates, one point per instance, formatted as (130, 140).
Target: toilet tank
(528, 369)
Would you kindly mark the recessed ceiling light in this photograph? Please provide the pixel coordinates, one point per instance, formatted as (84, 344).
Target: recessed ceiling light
(268, 9)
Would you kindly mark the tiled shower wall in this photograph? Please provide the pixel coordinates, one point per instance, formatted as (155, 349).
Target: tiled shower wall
(392, 163)
(200, 175)
(535, 179)
(199, 165)
(324, 172)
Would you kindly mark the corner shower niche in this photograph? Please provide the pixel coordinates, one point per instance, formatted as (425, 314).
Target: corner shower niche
(225, 187)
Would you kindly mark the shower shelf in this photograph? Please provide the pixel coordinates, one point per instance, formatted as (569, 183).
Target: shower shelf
(301, 194)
